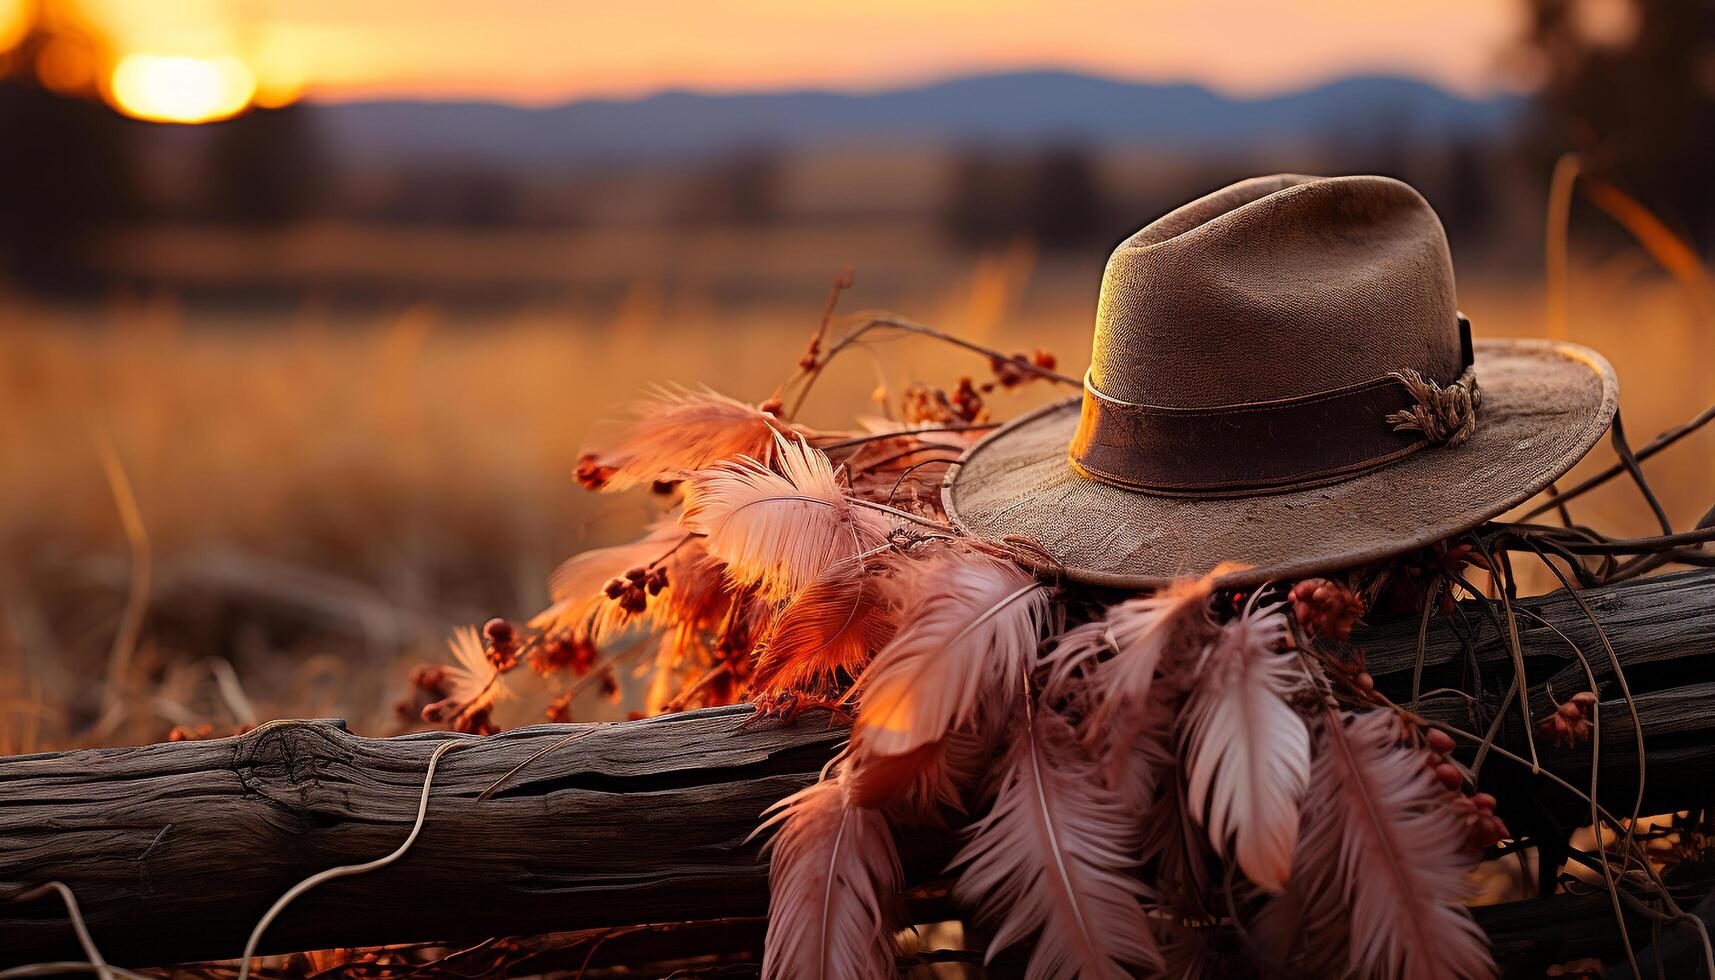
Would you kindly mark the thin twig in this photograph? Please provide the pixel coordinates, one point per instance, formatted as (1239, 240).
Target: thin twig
(78, 926)
(539, 753)
(905, 434)
(878, 321)
(1624, 450)
(137, 598)
(1656, 445)
(347, 870)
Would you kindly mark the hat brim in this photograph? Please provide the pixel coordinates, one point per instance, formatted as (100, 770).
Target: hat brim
(1545, 404)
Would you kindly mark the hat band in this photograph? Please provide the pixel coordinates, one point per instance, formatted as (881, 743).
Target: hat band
(1270, 446)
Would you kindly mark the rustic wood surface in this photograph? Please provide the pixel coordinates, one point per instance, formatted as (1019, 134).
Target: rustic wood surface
(175, 850)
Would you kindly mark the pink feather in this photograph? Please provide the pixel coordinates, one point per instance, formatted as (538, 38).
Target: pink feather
(676, 432)
(968, 633)
(1381, 869)
(1145, 634)
(1053, 857)
(832, 626)
(1247, 748)
(780, 529)
(834, 877)
(924, 785)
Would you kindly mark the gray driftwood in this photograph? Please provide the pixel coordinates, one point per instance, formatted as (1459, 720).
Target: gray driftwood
(175, 850)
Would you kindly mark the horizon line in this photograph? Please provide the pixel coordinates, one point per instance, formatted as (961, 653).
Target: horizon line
(453, 96)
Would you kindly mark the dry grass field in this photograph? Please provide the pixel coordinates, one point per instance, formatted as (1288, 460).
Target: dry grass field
(320, 496)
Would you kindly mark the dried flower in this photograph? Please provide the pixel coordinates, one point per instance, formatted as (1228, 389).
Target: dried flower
(922, 405)
(1010, 372)
(475, 722)
(1439, 741)
(632, 590)
(1325, 608)
(502, 644)
(560, 709)
(967, 404)
(576, 654)
(592, 473)
(1570, 724)
(1412, 575)
(1483, 827)
(472, 686)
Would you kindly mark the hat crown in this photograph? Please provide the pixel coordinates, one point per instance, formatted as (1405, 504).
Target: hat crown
(1277, 287)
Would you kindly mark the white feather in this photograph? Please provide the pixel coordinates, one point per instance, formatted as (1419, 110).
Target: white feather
(1053, 857)
(1247, 749)
(835, 872)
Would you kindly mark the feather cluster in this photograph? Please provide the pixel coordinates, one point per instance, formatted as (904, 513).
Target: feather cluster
(969, 639)
(1130, 772)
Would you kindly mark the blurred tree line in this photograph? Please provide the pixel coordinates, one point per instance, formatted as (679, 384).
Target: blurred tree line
(1630, 85)
(1627, 84)
(1060, 198)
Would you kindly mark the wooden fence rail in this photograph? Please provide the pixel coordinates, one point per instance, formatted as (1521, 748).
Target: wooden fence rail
(175, 850)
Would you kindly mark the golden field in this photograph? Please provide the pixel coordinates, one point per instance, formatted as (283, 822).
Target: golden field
(322, 494)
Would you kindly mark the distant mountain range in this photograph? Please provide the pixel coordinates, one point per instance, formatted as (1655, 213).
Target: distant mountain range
(1016, 108)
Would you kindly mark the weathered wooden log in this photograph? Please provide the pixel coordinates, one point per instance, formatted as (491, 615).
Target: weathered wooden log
(175, 850)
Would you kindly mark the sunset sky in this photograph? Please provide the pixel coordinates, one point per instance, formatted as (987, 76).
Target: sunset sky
(535, 51)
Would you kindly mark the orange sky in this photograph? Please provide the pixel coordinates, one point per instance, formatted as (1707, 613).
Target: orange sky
(549, 50)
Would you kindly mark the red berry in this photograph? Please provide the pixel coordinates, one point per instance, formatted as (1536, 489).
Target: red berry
(499, 632)
(1449, 776)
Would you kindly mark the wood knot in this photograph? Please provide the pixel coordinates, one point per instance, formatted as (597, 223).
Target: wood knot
(285, 759)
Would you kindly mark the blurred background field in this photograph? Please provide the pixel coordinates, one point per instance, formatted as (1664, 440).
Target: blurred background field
(338, 336)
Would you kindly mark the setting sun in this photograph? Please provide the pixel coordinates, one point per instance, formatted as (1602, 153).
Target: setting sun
(181, 89)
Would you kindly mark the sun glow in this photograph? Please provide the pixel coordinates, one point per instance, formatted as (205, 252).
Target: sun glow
(182, 89)
(14, 22)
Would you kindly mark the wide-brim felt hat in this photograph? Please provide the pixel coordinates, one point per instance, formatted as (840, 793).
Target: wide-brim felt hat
(1281, 379)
